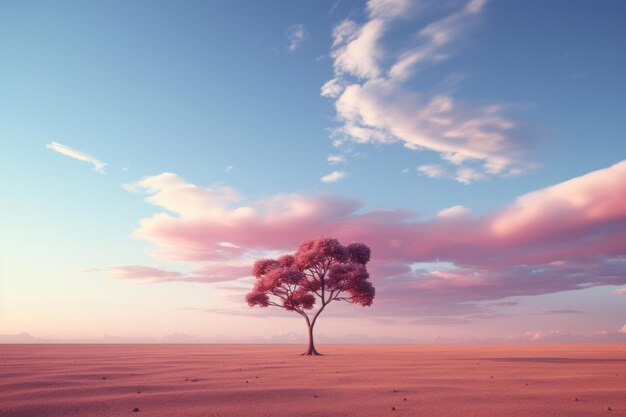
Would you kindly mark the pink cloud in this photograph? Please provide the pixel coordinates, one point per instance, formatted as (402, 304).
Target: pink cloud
(223, 271)
(568, 236)
(142, 273)
(462, 288)
(207, 273)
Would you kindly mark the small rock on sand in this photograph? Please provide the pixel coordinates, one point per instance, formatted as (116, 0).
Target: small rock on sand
(393, 408)
(607, 408)
(135, 410)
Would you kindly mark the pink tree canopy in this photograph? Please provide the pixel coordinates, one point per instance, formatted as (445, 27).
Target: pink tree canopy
(321, 271)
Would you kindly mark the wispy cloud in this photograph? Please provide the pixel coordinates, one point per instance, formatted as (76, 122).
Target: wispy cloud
(335, 159)
(333, 176)
(334, 7)
(620, 291)
(210, 272)
(559, 312)
(230, 168)
(296, 34)
(453, 212)
(76, 154)
(432, 171)
(375, 102)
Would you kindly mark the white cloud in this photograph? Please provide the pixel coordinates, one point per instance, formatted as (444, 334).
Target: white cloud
(435, 37)
(453, 212)
(333, 176)
(76, 154)
(132, 188)
(335, 159)
(432, 171)
(356, 49)
(467, 175)
(387, 8)
(374, 103)
(230, 168)
(333, 88)
(296, 34)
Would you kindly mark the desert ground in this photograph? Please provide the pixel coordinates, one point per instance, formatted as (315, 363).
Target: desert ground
(349, 380)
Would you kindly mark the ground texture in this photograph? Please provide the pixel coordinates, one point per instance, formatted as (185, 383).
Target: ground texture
(270, 380)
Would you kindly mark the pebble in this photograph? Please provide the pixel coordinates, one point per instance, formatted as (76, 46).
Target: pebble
(135, 410)
(393, 408)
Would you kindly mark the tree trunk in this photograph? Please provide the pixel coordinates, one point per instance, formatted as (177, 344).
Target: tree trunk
(311, 350)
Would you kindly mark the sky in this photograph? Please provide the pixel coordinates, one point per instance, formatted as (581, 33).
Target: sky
(153, 150)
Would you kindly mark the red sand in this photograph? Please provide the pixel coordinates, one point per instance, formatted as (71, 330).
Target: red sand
(270, 380)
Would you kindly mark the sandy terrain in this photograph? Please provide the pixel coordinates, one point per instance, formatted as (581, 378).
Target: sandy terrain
(270, 380)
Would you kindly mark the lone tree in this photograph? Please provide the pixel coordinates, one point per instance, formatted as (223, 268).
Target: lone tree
(321, 269)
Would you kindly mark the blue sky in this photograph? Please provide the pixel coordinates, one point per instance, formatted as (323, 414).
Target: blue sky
(196, 87)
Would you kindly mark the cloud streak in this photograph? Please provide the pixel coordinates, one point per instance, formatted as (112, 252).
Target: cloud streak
(376, 104)
(335, 159)
(76, 154)
(333, 176)
(296, 35)
(208, 273)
